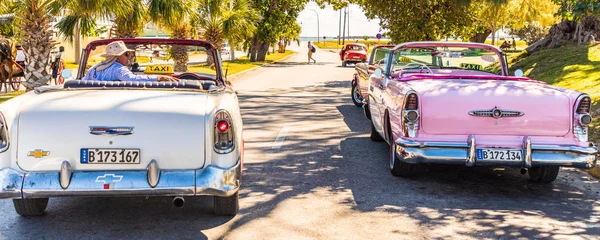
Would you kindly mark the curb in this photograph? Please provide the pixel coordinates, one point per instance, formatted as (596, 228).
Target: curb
(257, 67)
(595, 171)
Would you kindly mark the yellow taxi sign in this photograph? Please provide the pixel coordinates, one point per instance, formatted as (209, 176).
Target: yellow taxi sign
(405, 60)
(159, 69)
(471, 66)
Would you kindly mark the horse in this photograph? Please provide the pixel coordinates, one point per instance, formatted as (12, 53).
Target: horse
(8, 65)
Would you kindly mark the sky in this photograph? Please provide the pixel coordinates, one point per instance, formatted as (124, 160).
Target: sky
(329, 22)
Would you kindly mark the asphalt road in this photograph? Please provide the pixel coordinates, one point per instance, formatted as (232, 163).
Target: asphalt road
(312, 172)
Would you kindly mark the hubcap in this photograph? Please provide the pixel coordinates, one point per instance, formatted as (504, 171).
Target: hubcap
(357, 97)
(392, 155)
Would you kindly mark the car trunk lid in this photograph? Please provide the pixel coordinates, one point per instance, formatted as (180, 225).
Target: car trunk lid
(445, 107)
(167, 126)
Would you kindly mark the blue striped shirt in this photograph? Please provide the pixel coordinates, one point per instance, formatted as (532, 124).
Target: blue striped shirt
(117, 72)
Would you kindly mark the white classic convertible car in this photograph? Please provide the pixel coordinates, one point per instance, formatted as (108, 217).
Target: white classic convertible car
(123, 138)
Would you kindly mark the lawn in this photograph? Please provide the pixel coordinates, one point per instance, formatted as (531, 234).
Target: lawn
(241, 64)
(5, 97)
(574, 66)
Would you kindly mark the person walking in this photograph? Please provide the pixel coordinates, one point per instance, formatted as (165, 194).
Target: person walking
(311, 50)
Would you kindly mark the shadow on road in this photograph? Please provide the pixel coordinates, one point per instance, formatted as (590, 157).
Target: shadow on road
(485, 202)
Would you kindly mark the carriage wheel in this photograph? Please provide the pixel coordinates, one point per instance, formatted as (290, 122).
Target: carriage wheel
(59, 77)
(15, 83)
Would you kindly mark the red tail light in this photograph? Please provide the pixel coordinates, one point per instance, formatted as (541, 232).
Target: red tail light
(223, 134)
(222, 126)
(412, 102)
(584, 105)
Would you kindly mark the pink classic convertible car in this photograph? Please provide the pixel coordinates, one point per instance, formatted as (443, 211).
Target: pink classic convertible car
(435, 103)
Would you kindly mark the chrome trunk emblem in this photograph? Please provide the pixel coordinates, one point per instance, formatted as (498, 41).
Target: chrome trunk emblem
(98, 130)
(496, 113)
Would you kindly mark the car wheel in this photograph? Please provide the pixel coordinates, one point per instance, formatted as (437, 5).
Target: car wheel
(367, 111)
(398, 167)
(29, 207)
(227, 206)
(375, 137)
(356, 99)
(344, 64)
(544, 174)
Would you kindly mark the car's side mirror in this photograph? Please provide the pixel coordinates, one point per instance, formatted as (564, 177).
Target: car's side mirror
(66, 73)
(519, 73)
(378, 72)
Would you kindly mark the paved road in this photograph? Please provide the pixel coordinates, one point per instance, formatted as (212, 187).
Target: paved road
(312, 172)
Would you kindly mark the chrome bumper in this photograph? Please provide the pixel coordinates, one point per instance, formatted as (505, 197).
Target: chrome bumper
(465, 153)
(212, 181)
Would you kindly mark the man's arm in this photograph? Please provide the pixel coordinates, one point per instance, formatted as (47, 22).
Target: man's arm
(124, 74)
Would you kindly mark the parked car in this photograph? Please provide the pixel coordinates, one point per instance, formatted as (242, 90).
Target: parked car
(113, 139)
(438, 110)
(360, 81)
(353, 53)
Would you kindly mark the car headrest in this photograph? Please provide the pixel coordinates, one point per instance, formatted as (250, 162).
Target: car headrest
(121, 84)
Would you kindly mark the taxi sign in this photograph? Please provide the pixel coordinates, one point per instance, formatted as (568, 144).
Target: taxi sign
(471, 66)
(159, 69)
(404, 60)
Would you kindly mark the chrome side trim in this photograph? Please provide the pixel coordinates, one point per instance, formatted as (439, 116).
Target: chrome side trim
(111, 131)
(496, 113)
(212, 180)
(218, 181)
(65, 174)
(527, 155)
(153, 173)
(464, 153)
(472, 157)
(11, 182)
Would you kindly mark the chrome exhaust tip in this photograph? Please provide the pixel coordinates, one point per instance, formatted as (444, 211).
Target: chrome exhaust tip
(523, 171)
(178, 202)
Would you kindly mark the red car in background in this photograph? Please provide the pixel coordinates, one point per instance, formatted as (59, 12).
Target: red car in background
(353, 53)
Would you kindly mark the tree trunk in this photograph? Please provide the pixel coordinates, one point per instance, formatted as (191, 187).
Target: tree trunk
(254, 49)
(77, 43)
(231, 50)
(493, 35)
(558, 35)
(180, 53)
(262, 52)
(480, 37)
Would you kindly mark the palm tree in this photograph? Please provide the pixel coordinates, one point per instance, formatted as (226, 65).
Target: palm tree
(82, 15)
(175, 16)
(232, 20)
(34, 20)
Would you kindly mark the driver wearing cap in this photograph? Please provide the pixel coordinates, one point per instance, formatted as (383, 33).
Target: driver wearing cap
(114, 67)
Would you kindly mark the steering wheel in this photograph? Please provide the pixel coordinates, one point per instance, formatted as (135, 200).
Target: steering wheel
(423, 66)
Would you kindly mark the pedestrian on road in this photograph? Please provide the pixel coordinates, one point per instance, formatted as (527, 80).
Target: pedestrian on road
(311, 50)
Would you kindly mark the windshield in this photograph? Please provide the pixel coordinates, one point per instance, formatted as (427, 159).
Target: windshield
(438, 60)
(155, 58)
(356, 48)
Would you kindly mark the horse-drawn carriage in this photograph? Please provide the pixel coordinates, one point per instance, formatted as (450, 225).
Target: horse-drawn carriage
(12, 66)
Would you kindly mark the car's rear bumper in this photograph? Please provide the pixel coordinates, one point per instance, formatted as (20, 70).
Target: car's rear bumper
(211, 180)
(465, 153)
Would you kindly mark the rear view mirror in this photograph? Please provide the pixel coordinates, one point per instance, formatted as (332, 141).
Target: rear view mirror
(66, 73)
(378, 72)
(519, 73)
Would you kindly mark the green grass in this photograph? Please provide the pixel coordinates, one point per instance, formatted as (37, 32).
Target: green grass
(240, 64)
(5, 97)
(333, 44)
(573, 66)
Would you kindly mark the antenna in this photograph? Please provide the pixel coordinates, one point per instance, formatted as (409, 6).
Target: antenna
(227, 69)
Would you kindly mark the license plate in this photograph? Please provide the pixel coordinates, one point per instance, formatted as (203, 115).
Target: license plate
(499, 154)
(109, 156)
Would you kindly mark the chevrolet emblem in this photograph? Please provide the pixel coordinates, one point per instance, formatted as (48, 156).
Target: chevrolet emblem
(38, 153)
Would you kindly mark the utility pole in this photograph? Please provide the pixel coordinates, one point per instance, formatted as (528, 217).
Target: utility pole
(318, 23)
(348, 26)
(344, 32)
(340, 27)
